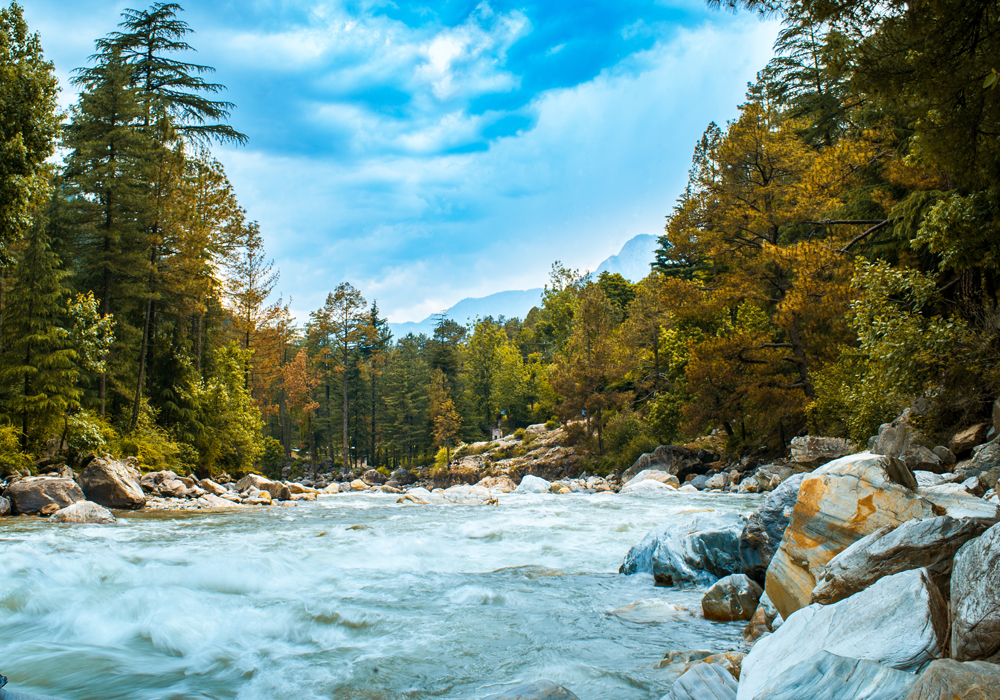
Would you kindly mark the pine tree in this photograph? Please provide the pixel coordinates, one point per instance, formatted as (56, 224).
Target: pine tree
(38, 362)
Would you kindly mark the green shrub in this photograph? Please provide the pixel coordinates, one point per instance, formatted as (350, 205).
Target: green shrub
(551, 424)
(272, 458)
(519, 434)
(11, 457)
(89, 432)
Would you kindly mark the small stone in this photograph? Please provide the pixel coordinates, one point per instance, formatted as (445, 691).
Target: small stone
(49, 509)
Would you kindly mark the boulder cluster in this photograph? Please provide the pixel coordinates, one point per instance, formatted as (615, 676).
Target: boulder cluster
(873, 576)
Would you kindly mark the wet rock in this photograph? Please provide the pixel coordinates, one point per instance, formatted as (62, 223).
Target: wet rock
(532, 484)
(539, 690)
(947, 679)
(699, 551)
(729, 660)
(277, 490)
(662, 477)
(964, 440)
(650, 611)
(683, 658)
(975, 599)
(901, 621)
(672, 459)
(957, 502)
(812, 451)
(915, 544)
(731, 598)
(647, 485)
(762, 622)
(373, 478)
(112, 484)
(28, 496)
(84, 512)
(704, 682)
(4, 507)
(766, 526)
(826, 676)
(837, 505)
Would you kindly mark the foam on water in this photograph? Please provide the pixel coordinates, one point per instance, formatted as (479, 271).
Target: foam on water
(352, 596)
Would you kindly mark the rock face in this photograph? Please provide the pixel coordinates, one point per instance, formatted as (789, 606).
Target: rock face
(112, 484)
(975, 599)
(734, 597)
(532, 484)
(891, 549)
(84, 512)
(813, 451)
(704, 681)
(957, 502)
(765, 527)
(947, 679)
(901, 622)
(672, 459)
(539, 690)
(699, 551)
(838, 504)
(29, 496)
(826, 676)
(278, 490)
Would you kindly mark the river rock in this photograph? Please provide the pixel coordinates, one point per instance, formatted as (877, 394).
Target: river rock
(964, 440)
(646, 485)
(532, 484)
(729, 660)
(718, 481)
(704, 681)
(837, 505)
(662, 477)
(84, 512)
(672, 459)
(914, 544)
(731, 598)
(975, 599)
(766, 526)
(957, 502)
(813, 451)
(172, 488)
(539, 690)
(213, 488)
(901, 621)
(826, 676)
(947, 679)
(762, 622)
(373, 477)
(358, 485)
(4, 507)
(277, 490)
(112, 484)
(210, 500)
(683, 658)
(698, 551)
(28, 496)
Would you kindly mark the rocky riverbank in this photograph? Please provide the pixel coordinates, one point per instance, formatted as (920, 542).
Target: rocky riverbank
(874, 576)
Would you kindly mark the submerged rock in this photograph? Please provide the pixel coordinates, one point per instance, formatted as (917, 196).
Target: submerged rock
(837, 505)
(975, 599)
(699, 551)
(901, 622)
(915, 544)
(29, 496)
(826, 676)
(703, 681)
(734, 597)
(84, 512)
(947, 679)
(539, 690)
(112, 484)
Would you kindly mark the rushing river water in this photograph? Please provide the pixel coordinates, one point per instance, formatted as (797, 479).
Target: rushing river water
(352, 596)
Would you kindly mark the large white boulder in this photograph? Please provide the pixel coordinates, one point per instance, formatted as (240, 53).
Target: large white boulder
(901, 622)
(532, 484)
(975, 599)
(647, 486)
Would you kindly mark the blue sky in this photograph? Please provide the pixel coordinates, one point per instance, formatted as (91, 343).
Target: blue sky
(427, 152)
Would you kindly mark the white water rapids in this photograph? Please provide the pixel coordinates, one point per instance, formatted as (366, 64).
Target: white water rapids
(391, 602)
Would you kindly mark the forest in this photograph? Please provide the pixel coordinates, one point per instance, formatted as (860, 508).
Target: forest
(833, 257)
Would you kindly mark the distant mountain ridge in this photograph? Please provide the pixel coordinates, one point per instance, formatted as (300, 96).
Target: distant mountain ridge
(632, 262)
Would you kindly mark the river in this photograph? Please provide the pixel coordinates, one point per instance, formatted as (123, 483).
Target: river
(352, 596)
